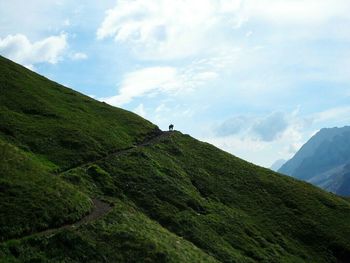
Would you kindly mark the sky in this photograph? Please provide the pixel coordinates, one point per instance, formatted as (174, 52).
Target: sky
(256, 78)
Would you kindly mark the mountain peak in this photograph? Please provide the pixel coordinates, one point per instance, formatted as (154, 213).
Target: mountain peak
(322, 158)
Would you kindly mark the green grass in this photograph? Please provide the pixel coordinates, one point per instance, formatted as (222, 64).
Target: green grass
(125, 235)
(65, 126)
(177, 200)
(230, 208)
(31, 198)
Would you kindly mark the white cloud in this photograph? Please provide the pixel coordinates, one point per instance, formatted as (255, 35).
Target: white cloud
(238, 135)
(154, 80)
(66, 22)
(143, 81)
(31, 67)
(307, 12)
(37, 18)
(262, 139)
(79, 56)
(263, 128)
(140, 110)
(249, 34)
(165, 29)
(20, 49)
(262, 152)
(232, 126)
(271, 126)
(333, 115)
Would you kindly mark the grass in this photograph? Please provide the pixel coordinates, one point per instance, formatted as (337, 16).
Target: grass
(65, 126)
(125, 235)
(230, 208)
(176, 200)
(31, 198)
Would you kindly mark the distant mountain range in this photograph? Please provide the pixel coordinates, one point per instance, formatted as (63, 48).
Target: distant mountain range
(277, 165)
(324, 161)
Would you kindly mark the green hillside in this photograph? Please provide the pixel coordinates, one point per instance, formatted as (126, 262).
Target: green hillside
(59, 124)
(175, 199)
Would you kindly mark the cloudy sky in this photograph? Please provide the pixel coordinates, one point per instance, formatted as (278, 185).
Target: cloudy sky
(256, 78)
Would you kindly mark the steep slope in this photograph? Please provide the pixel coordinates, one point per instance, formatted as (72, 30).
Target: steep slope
(335, 180)
(31, 199)
(310, 148)
(323, 160)
(46, 128)
(56, 122)
(175, 199)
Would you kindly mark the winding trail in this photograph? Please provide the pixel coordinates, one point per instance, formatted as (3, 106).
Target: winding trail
(158, 137)
(100, 208)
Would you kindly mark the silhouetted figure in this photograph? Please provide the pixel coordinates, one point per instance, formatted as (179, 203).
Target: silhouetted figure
(171, 127)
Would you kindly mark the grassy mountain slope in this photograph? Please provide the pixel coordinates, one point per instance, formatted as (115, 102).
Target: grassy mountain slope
(230, 208)
(32, 199)
(175, 199)
(60, 124)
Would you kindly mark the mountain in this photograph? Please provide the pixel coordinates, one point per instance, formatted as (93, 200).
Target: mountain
(336, 180)
(81, 181)
(277, 165)
(324, 161)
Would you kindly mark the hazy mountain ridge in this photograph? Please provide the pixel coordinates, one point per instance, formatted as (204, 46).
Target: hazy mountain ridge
(277, 165)
(323, 160)
(175, 199)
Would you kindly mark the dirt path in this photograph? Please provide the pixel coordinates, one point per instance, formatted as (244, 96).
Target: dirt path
(100, 208)
(161, 135)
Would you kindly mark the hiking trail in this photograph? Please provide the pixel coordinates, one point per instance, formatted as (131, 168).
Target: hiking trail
(100, 208)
